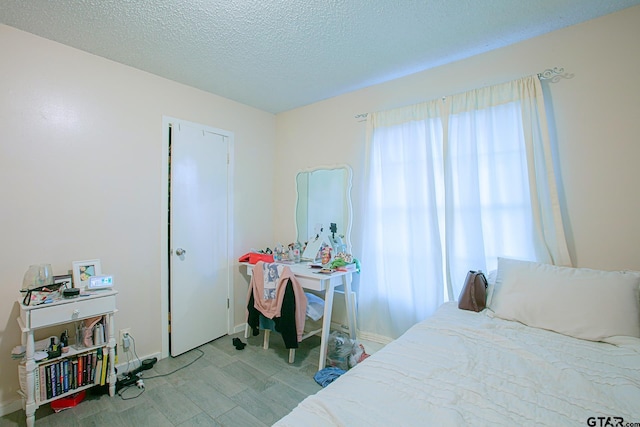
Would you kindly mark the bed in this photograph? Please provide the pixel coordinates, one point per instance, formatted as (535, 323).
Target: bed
(498, 368)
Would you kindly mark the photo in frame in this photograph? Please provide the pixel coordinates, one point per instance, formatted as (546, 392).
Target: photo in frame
(83, 270)
(64, 280)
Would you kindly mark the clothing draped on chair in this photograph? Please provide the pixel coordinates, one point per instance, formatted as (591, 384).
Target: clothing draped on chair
(275, 293)
(450, 185)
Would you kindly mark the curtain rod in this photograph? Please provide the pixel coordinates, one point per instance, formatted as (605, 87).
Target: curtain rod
(551, 74)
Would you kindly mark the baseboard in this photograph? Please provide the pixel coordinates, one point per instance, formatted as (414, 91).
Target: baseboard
(133, 364)
(10, 407)
(239, 328)
(374, 337)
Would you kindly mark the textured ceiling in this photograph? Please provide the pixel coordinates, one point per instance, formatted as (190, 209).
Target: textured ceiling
(277, 55)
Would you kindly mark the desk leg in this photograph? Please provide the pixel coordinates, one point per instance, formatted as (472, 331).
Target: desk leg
(326, 324)
(351, 315)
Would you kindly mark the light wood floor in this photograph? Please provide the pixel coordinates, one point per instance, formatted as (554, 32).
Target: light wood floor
(222, 387)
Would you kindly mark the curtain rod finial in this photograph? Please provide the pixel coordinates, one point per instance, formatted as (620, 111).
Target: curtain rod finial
(554, 74)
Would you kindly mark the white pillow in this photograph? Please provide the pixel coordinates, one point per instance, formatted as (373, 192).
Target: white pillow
(491, 286)
(579, 302)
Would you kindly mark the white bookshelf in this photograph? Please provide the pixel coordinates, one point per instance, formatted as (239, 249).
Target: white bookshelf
(32, 318)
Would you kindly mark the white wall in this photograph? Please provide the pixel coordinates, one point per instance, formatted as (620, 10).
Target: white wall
(80, 166)
(596, 112)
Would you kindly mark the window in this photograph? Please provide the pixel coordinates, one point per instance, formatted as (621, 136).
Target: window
(452, 186)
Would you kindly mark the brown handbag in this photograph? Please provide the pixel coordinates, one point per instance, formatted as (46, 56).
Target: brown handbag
(474, 292)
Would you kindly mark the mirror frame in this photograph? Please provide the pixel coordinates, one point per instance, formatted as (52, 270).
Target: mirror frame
(347, 195)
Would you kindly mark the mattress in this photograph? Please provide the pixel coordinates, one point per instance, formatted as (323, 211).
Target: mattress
(465, 368)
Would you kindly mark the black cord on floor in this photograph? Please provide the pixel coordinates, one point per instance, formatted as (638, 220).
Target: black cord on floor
(142, 389)
(182, 367)
(132, 397)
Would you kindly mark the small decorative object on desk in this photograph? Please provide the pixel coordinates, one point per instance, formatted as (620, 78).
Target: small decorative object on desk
(66, 280)
(347, 258)
(39, 285)
(294, 252)
(277, 253)
(83, 270)
(37, 276)
(345, 262)
(326, 254)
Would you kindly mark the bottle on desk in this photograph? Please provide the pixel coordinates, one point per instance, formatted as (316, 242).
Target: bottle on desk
(294, 252)
(278, 253)
(64, 338)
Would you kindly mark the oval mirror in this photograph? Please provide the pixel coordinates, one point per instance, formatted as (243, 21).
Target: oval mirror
(324, 198)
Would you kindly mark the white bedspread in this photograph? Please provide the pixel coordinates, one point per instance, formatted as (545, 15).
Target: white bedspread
(464, 368)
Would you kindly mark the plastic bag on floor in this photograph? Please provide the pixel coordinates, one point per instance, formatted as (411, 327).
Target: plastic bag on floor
(343, 352)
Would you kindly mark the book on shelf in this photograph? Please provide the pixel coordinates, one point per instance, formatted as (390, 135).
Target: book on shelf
(58, 378)
(47, 382)
(53, 380)
(82, 368)
(94, 364)
(87, 379)
(61, 378)
(56, 383)
(98, 371)
(74, 373)
(42, 384)
(36, 384)
(70, 373)
(65, 369)
(105, 368)
(79, 372)
(85, 368)
(89, 368)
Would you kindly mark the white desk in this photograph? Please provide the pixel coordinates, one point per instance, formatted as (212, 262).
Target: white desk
(310, 279)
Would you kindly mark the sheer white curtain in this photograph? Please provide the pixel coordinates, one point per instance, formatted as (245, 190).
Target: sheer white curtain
(501, 197)
(441, 203)
(402, 247)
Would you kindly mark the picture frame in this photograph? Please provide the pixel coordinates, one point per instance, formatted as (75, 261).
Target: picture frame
(83, 270)
(64, 280)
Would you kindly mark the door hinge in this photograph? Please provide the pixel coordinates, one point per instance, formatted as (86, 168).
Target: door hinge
(227, 303)
(228, 158)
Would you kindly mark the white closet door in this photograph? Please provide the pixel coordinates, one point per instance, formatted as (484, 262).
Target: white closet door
(199, 267)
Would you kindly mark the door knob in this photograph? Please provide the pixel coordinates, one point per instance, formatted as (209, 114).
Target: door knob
(180, 252)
